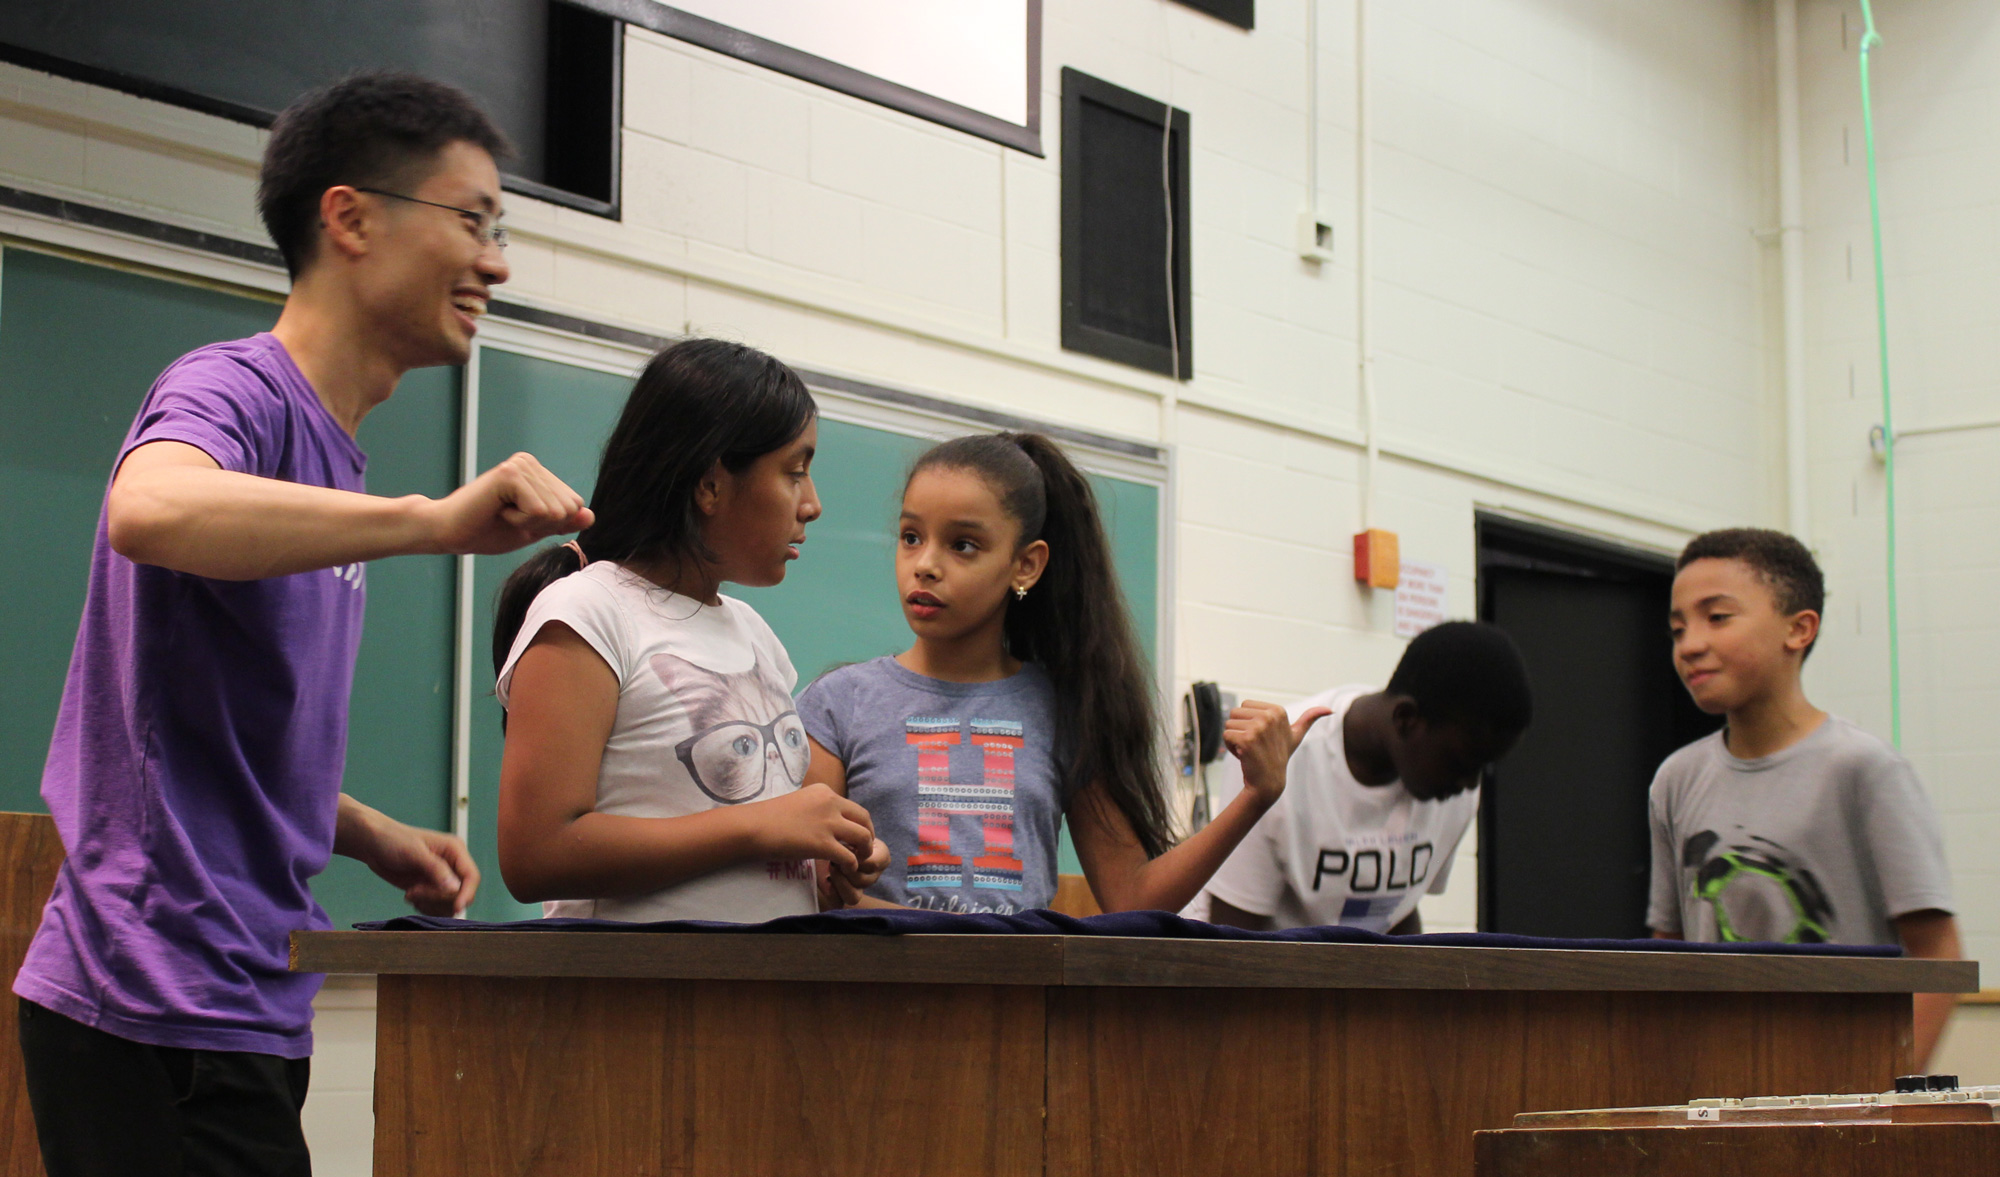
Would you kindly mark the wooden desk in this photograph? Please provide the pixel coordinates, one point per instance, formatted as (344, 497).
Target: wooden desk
(1775, 1150)
(1956, 1133)
(639, 1053)
(30, 855)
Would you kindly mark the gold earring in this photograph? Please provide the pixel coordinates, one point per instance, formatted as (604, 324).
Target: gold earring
(1020, 592)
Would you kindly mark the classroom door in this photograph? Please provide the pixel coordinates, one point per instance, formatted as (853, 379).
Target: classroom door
(1563, 840)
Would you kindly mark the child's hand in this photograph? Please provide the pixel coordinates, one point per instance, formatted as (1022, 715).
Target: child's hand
(1263, 738)
(816, 822)
(871, 868)
(838, 888)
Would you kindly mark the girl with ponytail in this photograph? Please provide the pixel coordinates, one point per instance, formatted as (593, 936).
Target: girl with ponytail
(1025, 700)
(654, 763)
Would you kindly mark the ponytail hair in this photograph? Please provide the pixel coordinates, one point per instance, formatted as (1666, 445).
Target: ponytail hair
(697, 403)
(1075, 626)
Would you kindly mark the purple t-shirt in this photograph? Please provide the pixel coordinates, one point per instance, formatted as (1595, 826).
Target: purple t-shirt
(195, 769)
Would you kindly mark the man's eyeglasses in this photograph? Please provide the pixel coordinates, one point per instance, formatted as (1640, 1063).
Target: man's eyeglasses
(484, 226)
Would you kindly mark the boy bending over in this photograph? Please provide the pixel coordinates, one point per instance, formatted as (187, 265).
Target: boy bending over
(1380, 793)
(1789, 824)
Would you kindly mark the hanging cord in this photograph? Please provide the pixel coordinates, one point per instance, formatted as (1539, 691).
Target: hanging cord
(1870, 41)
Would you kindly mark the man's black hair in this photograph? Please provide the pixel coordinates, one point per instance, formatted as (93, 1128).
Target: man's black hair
(372, 130)
(1785, 565)
(1467, 672)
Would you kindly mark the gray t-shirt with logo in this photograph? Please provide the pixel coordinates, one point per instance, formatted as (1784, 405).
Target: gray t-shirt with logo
(1826, 841)
(959, 779)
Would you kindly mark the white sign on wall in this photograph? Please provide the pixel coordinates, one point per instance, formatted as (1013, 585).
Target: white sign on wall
(1421, 595)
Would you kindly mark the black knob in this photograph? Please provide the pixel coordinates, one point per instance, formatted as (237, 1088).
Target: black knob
(1942, 1082)
(1905, 1084)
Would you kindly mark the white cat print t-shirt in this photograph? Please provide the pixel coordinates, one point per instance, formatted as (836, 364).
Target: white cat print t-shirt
(705, 719)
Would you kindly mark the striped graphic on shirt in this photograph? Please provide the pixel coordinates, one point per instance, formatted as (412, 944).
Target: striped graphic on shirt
(933, 865)
(939, 799)
(996, 868)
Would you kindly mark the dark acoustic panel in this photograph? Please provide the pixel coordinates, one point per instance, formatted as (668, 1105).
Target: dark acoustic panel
(1564, 847)
(582, 109)
(547, 73)
(1125, 227)
(1241, 13)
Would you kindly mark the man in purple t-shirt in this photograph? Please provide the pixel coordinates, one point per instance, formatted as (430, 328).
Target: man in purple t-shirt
(195, 767)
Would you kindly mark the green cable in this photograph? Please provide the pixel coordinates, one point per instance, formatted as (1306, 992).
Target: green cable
(1869, 41)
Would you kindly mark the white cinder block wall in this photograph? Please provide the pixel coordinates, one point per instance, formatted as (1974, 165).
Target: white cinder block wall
(1937, 91)
(1574, 313)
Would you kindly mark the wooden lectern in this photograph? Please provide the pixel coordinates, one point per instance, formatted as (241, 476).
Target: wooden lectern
(1809, 1150)
(752, 1053)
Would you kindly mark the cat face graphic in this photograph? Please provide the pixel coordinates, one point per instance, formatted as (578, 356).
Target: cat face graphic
(748, 742)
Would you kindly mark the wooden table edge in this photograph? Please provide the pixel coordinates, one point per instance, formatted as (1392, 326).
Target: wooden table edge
(1132, 962)
(688, 956)
(1282, 965)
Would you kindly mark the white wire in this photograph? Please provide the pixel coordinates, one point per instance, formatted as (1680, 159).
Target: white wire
(1167, 200)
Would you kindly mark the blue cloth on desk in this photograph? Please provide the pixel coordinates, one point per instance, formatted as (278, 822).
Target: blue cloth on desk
(899, 922)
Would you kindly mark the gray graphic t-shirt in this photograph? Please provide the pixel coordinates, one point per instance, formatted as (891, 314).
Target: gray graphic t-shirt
(958, 778)
(1824, 842)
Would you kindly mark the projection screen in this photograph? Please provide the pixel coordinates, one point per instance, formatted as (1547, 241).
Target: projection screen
(970, 64)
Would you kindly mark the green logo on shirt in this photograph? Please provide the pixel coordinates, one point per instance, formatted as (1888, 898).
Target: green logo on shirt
(1755, 892)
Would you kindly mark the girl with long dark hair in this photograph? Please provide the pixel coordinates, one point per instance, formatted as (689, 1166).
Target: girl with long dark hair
(654, 762)
(1025, 700)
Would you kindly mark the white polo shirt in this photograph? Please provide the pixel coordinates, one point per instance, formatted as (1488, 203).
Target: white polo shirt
(1333, 850)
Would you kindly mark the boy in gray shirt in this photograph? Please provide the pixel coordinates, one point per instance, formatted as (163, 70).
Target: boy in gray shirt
(1789, 824)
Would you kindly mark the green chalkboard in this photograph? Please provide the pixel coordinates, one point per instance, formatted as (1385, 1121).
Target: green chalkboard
(81, 343)
(561, 414)
(837, 605)
(840, 604)
(399, 726)
(79, 346)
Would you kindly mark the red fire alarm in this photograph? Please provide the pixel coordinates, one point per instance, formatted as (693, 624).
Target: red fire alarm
(1377, 563)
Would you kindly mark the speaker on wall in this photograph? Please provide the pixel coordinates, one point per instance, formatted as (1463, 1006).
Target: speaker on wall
(1125, 227)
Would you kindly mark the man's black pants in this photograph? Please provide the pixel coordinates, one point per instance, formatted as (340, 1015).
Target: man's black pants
(106, 1106)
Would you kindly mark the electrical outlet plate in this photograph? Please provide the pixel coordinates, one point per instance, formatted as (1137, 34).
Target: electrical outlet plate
(1315, 237)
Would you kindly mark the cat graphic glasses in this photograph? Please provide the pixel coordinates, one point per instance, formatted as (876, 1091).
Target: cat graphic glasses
(739, 761)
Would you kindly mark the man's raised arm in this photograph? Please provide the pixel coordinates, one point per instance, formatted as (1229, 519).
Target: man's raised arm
(171, 505)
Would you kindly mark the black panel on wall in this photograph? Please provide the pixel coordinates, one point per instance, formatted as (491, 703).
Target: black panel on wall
(1241, 13)
(1124, 207)
(583, 114)
(546, 72)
